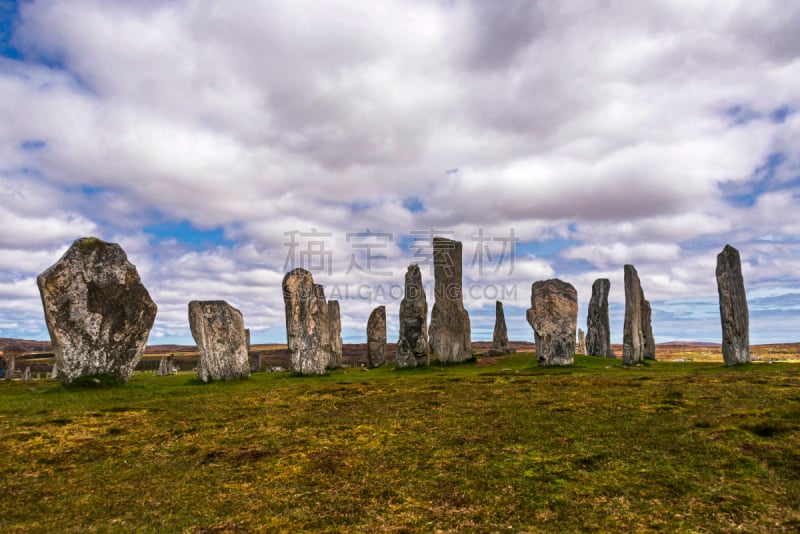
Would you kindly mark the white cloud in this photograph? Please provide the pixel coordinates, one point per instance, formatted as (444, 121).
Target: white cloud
(608, 129)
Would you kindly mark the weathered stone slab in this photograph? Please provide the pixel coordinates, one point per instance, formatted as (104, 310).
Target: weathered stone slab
(412, 347)
(376, 337)
(450, 328)
(97, 311)
(218, 330)
(637, 334)
(500, 334)
(166, 366)
(26, 374)
(554, 316)
(11, 364)
(598, 331)
(733, 310)
(307, 328)
(647, 331)
(335, 334)
(581, 347)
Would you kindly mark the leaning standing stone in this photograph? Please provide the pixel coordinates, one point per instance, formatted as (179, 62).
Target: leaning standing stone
(450, 329)
(412, 347)
(733, 310)
(218, 330)
(554, 316)
(376, 337)
(307, 329)
(598, 333)
(97, 311)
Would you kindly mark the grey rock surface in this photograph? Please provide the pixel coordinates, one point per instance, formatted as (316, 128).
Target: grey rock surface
(500, 334)
(554, 317)
(733, 309)
(97, 311)
(581, 347)
(412, 346)
(376, 337)
(307, 329)
(449, 331)
(598, 331)
(335, 334)
(637, 333)
(218, 330)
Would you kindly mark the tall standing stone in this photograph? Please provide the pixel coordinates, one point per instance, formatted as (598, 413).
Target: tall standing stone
(581, 347)
(307, 329)
(637, 333)
(733, 310)
(26, 374)
(598, 332)
(412, 347)
(376, 337)
(218, 330)
(554, 316)
(450, 329)
(335, 334)
(97, 311)
(500, 334)
(647, 331)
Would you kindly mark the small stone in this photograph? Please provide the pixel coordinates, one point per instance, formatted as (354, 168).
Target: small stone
(376, 337)
(218, 329)
(97, 311)
(733, 310)
(554, 316)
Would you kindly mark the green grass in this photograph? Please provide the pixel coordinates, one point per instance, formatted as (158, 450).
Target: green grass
(498, 447)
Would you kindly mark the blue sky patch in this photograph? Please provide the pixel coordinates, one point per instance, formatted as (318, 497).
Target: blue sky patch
(183, 232)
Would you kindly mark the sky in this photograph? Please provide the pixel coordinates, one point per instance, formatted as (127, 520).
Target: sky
(221, 143)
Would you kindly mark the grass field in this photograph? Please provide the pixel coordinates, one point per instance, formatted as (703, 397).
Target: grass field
(494, 446)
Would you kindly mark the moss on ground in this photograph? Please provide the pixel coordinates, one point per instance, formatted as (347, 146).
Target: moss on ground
(500, 445)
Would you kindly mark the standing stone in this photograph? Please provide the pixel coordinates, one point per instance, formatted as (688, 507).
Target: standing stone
(412, 347)
(26, 374)
(598, 332)
(581, 348)
(637, 333)
(733, 310)
(54, 371)
(554, 316)
(335, 334)
(307, 329)
(450, 329)
(218, 329)
(98, 313)
(11, 363)
(376, 337)
(166, 366)
(647, 331)
(500, 335)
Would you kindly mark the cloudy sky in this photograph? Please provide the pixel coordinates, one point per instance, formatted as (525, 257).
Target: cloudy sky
(222, 142)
